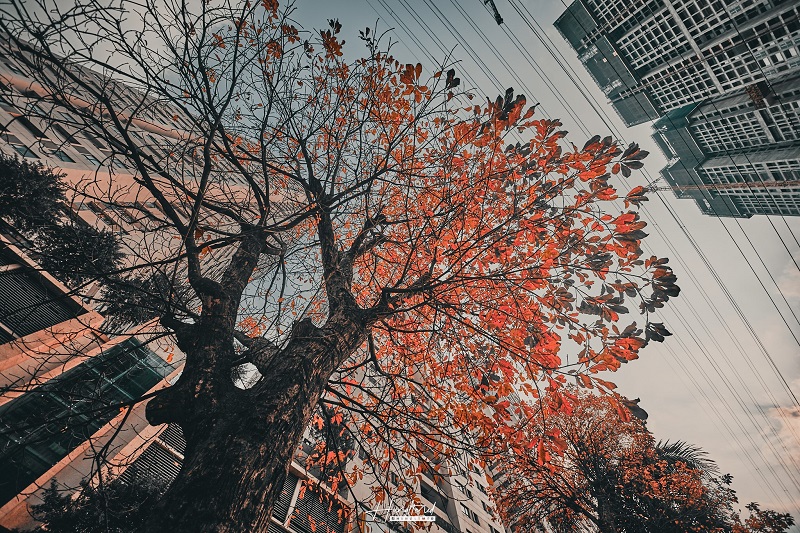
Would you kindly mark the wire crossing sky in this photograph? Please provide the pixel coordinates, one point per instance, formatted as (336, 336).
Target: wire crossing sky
(728, 380)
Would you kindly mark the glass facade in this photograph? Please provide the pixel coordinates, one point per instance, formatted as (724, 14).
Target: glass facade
(40, 428)
(721, 78)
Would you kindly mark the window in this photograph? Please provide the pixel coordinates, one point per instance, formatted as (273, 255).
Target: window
(100, 213)
(62, 156)
(156, 465)
(433, 496)
(24, 151)
(6, 106)
(313, 510)
(92, 159)
(148, 213)
(470, 513)
(80, 148)
(89, 137)
(68, 409)
(445, 525)
(28, 303)
(281, 509)
(15, 143)
(122, 213)
(13, 68)
(64, 134)
(30, 127)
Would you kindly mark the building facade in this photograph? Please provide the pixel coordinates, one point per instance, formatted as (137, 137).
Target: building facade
(458, 500)
(744, 152)
(721, 80)
(61, 381)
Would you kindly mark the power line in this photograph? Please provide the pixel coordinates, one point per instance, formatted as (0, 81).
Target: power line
(747, 358)
(573, 79)
(681, 225)
(497, 54)
(510, 34)
(735, 305)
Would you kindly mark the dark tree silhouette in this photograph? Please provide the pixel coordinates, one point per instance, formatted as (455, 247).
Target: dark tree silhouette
(115, 507)
(33, 201)
(599, 469)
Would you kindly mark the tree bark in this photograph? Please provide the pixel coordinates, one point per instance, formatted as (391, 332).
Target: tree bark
(605, 515)
(240, 446)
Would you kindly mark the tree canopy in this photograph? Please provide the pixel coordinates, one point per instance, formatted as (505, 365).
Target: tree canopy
(367, 241)
(598, 471)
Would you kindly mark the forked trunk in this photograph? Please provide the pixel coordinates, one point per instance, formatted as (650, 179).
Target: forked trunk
(238, 453)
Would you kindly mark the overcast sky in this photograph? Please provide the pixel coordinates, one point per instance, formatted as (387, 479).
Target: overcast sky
(711, 384)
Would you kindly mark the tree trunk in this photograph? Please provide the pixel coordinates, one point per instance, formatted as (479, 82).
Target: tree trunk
(229, 480)
(605, 515)
(239, 450)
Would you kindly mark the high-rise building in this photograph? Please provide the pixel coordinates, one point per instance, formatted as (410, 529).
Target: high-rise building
(736, 156)
(60, 382)
(720, 79)
(458, 499)
(653, 56)
(51, 354)
(52, 430)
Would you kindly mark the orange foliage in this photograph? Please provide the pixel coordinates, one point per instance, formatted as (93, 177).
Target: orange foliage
(446, 262)
(480, 255)
(602, 470)
(484, 252)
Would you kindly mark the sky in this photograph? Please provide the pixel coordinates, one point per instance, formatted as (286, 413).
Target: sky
(729, 378)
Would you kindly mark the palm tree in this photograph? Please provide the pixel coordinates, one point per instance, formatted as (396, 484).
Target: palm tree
(692, 456)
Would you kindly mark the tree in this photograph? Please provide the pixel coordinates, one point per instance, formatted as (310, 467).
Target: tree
(764, 521)
(324, 221)
(692, 456)
(598, 469)
(33, 201)
(31, 196)
(115, 507)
